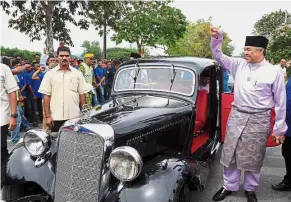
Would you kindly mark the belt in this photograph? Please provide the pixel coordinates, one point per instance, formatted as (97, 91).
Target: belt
(250, 110)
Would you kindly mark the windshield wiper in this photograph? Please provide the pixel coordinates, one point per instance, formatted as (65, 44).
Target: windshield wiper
(173, 76)
(136, 74)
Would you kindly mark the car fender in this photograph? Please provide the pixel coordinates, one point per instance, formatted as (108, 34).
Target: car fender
(20, 169)
(159, 182)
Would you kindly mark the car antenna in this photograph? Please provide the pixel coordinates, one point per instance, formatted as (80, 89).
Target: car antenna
(173, 76)
(136, 73)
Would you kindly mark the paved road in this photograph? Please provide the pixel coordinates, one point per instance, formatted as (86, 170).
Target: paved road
(272, 172)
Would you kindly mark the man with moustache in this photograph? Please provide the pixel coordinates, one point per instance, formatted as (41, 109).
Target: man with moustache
(64, 90)
(258, 88)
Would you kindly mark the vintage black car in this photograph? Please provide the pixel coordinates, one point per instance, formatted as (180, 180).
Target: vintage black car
(153, 142)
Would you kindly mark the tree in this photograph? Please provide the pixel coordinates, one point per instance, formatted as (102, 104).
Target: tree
(277, 27)
(46, 18)
(105, 15)
(150, 23)
(196, 41)
(280, 45)
(92, 47)
(270, 22)
(13, 52)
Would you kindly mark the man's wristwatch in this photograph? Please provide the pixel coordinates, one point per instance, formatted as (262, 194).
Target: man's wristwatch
(14, 116)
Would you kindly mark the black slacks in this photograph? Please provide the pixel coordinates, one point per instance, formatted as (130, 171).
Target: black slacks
(286, 152)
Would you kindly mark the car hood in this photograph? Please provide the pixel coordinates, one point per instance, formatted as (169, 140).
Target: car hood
(130, 114)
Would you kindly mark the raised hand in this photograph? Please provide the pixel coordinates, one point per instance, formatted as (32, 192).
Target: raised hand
(214, 32)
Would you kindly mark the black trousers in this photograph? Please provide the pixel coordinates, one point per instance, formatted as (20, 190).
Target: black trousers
(39, 108)
(57, 125)
(4, 150)
(29, 109)
(286, 152)
(107, 91)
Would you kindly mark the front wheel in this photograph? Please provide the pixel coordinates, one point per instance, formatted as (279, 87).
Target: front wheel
(182, 194)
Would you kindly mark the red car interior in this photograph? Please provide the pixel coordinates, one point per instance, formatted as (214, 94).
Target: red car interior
(202, 102)
(200, 136)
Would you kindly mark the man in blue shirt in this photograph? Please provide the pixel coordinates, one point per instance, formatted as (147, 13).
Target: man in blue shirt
(99, 73)
(285, 185)
(39, 72)
(29, 109)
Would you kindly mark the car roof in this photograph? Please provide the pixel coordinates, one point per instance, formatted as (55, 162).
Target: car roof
(195, 63)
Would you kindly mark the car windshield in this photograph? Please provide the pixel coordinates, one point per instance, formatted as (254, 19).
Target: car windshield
(167, 79)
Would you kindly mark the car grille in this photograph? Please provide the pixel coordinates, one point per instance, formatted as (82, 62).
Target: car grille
(78, 167)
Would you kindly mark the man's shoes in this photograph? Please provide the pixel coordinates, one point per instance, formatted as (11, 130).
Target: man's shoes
(282, 186)
(251, 196)
(221, 194)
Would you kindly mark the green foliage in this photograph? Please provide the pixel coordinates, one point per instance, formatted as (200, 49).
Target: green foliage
(13, 52)
(277, 27)
(117, 53)
(196, 41)
(106, 13)
(150, 23)
(92, 47)
(280, 45)
(33, 17)
(270, 22)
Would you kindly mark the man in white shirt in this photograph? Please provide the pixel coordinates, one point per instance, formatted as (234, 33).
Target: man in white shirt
(64, 89)
(8, 104)
(282, 67)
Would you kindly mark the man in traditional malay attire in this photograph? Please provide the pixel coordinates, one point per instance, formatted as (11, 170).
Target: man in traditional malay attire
(258, 88)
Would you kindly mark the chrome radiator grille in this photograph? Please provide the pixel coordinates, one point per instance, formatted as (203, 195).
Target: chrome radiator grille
(78, 167)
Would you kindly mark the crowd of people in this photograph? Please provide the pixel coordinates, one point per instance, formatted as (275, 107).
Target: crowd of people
(98, 76)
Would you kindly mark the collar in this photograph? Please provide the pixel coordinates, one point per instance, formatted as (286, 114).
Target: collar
(259, 64)
(59, 68)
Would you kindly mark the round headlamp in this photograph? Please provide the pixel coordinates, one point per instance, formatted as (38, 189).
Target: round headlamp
(36, 142)
(125, 163)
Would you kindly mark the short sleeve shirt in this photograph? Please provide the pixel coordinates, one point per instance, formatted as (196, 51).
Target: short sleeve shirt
(36, 84)
(64, 88)
(8, 85)
(22, 82)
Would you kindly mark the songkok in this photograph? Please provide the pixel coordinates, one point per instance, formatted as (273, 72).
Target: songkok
(257, 41)
(89, 55)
